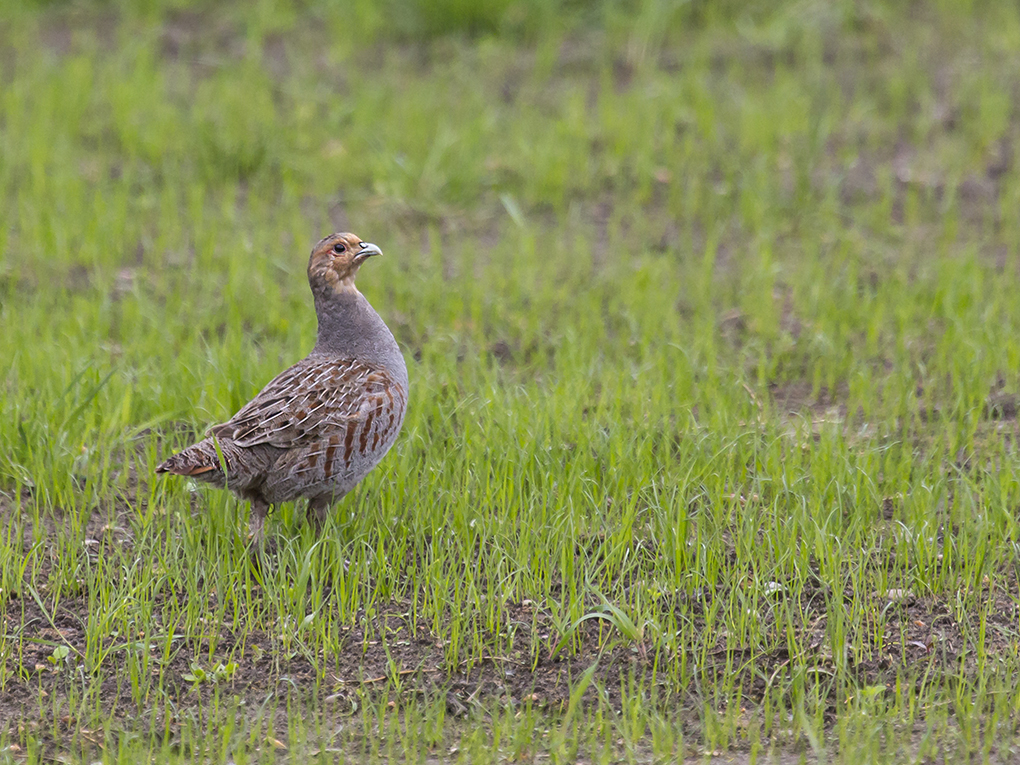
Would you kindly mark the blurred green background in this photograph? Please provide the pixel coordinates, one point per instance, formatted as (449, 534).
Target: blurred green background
(702, 302)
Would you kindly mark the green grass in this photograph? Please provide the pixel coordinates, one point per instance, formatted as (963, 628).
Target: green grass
(711, 321)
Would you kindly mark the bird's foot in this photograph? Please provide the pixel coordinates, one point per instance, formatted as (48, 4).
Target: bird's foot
(318, 510)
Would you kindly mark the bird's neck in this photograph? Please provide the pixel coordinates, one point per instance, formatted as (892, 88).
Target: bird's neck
(350, 328)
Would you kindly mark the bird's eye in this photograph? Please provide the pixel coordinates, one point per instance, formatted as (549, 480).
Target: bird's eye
(339, 247)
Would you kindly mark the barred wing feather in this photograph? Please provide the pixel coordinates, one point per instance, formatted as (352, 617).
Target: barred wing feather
(309, 402)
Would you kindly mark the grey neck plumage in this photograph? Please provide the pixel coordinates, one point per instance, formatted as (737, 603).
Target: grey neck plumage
(350, 328)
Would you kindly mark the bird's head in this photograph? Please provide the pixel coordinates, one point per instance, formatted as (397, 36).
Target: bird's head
(335, 261)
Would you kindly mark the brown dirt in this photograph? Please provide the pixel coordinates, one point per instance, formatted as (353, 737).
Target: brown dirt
(920, 635)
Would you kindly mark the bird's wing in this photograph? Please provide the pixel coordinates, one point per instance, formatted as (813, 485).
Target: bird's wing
(312, 400)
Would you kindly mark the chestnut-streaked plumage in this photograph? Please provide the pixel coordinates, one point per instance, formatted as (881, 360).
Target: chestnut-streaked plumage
(317, 428)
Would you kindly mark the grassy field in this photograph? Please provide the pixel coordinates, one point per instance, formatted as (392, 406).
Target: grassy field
(712, 317)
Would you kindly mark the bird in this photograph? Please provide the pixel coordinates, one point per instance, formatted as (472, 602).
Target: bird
(316, 429)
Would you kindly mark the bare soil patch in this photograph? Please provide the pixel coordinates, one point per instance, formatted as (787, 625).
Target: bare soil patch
(920, 636)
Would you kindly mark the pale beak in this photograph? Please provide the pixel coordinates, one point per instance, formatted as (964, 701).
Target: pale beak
(365, 251)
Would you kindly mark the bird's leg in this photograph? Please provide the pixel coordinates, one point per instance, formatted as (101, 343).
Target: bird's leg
(318, 509)
(257, 521)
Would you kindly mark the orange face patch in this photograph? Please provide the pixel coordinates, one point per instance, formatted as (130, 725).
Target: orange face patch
(335, 260)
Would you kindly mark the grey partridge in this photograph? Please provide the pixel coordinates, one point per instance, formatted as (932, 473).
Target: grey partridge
(317, 428)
